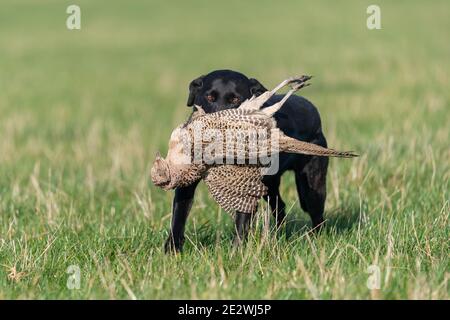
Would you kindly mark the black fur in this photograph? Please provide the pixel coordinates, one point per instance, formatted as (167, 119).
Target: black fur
(298, 118)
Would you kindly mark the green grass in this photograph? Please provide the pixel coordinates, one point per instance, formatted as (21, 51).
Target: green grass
(82, 114)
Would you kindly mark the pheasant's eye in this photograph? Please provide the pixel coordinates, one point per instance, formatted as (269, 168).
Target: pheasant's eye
(235, 100)
(210, 98)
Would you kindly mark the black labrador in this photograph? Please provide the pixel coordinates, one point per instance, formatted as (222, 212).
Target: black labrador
(298, 118)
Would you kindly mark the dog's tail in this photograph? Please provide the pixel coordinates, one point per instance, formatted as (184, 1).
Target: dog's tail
(291, 145)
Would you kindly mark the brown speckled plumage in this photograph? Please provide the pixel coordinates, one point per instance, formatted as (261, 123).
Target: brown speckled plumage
(236, 187)
(233, 186)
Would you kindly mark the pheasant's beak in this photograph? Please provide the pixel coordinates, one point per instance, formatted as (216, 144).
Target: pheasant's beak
(160, 173)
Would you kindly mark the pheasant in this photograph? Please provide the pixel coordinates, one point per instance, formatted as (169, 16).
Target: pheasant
(252, 137)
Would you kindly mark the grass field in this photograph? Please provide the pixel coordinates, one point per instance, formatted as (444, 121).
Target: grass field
(82, 114)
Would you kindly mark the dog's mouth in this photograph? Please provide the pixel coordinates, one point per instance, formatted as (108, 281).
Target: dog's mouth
(216, 107)
(160, 173)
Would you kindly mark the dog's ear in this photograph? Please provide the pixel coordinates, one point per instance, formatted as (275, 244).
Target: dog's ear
(256, 88)
(194, 87)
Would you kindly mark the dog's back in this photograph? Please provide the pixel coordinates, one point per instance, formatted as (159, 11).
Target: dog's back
(298, 118)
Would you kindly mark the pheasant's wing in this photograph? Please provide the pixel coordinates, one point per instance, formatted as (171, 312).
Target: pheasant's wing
(233, 133)
(239, 119)
(236, 188)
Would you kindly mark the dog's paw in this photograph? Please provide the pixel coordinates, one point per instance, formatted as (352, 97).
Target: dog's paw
(173, 245)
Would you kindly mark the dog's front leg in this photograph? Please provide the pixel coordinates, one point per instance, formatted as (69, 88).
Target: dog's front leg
(242, 223)
(182, 204)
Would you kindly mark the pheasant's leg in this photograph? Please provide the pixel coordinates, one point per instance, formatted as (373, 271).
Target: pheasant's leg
(294, 82)
(243, 221)
(256, 103)
(182, 203)
(274, 108)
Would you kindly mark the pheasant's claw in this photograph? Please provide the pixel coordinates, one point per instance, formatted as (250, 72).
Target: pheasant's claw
(298, 86)
(294, 82)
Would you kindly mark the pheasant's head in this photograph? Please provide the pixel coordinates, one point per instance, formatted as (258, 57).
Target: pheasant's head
(160, 173)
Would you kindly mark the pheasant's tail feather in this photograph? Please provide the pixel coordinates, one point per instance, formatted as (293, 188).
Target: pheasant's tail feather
(291, 145)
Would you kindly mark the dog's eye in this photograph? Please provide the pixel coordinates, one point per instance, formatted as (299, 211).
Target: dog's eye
(235, 100)
(210, 98)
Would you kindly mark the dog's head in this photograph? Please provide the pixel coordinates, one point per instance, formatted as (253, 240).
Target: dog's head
(222, 89)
